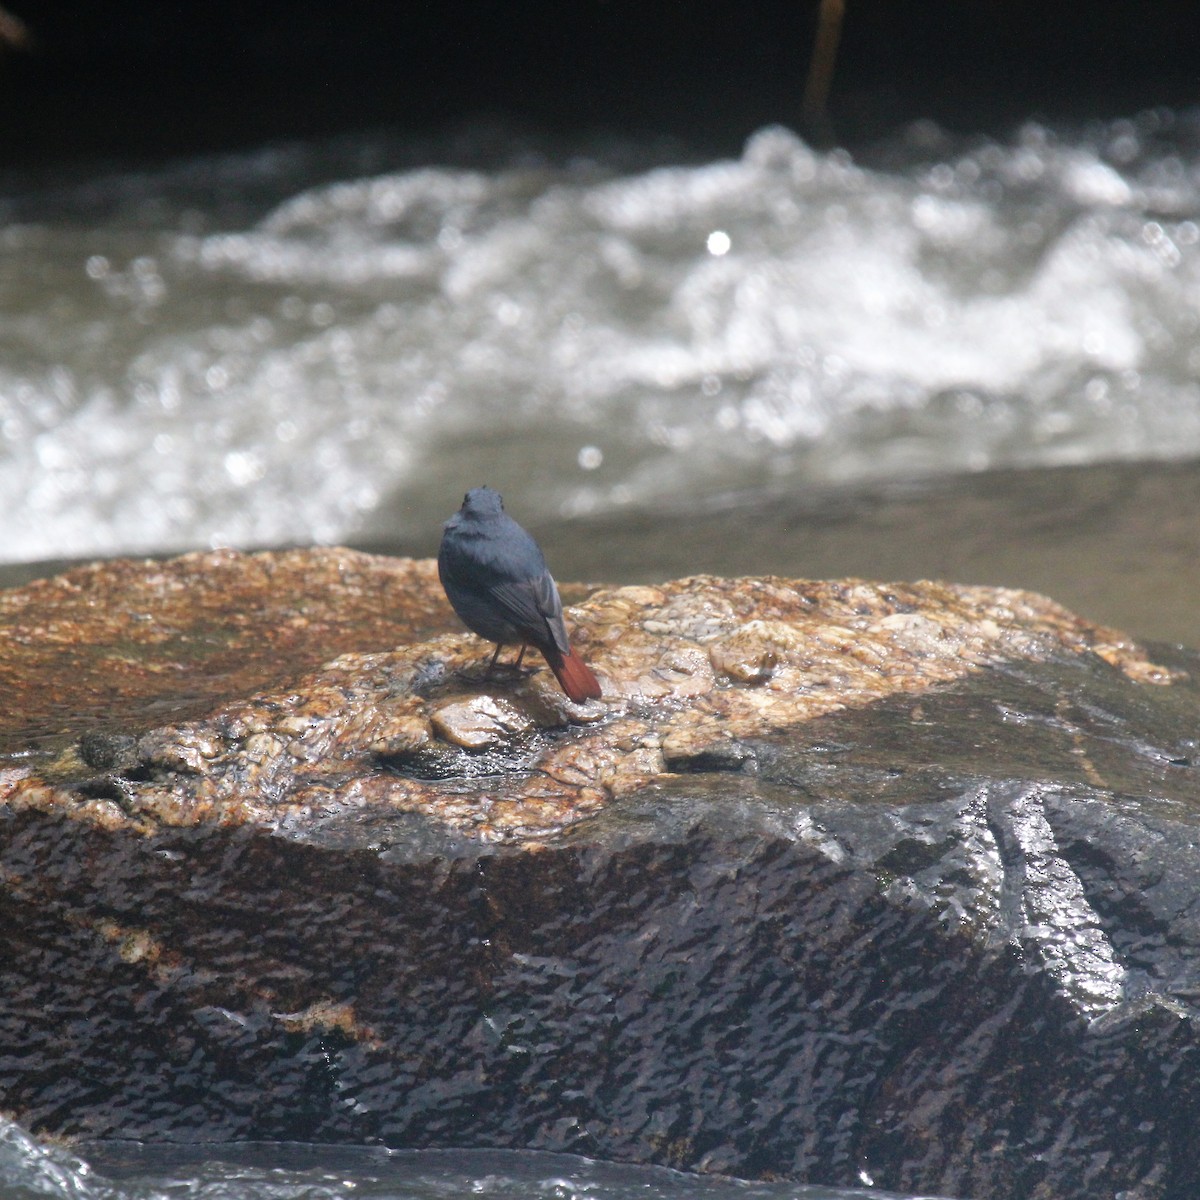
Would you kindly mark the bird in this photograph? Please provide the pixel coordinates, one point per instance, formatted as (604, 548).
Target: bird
(496, 579)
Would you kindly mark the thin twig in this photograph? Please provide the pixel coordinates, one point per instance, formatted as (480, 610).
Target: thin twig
(824, 58)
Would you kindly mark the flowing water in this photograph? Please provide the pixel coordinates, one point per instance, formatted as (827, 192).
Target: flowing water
(330, 342)
(29, 1171)
(916, 360)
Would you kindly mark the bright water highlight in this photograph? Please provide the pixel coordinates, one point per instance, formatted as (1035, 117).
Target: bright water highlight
(330, 342)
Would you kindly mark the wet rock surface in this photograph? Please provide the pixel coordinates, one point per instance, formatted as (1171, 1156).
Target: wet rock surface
(133, 643)
(838, 879)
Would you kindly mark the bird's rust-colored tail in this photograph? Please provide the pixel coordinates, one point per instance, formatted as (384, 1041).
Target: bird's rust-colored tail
(575, 676)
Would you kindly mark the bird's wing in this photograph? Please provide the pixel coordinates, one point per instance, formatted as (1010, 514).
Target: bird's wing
(534, 604)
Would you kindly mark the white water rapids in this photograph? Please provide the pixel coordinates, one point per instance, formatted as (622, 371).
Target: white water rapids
(297, 346)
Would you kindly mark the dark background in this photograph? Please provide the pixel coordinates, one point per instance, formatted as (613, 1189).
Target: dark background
(152, 78)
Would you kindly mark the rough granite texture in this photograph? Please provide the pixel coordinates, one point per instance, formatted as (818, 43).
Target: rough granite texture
(838, 878)
(688, 668)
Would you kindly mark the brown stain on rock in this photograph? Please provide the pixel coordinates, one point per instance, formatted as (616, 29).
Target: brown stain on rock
(305, 684)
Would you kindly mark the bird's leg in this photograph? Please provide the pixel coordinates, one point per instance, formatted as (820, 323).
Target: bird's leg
(496, 658)
(492, 665)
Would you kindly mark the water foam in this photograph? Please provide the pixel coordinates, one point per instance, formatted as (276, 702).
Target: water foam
(301, 363)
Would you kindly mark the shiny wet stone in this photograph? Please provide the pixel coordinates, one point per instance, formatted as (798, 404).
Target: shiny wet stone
(912, 893)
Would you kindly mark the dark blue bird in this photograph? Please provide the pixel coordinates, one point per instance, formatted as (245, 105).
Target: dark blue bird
(496, 579)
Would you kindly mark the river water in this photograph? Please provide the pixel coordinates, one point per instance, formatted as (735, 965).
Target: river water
(331, 341)
(969, 358)
(30, 1171)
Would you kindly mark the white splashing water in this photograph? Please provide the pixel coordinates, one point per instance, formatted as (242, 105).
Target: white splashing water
(224, 354)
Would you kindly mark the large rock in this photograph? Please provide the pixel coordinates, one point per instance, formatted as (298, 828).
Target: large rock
(840, 880)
